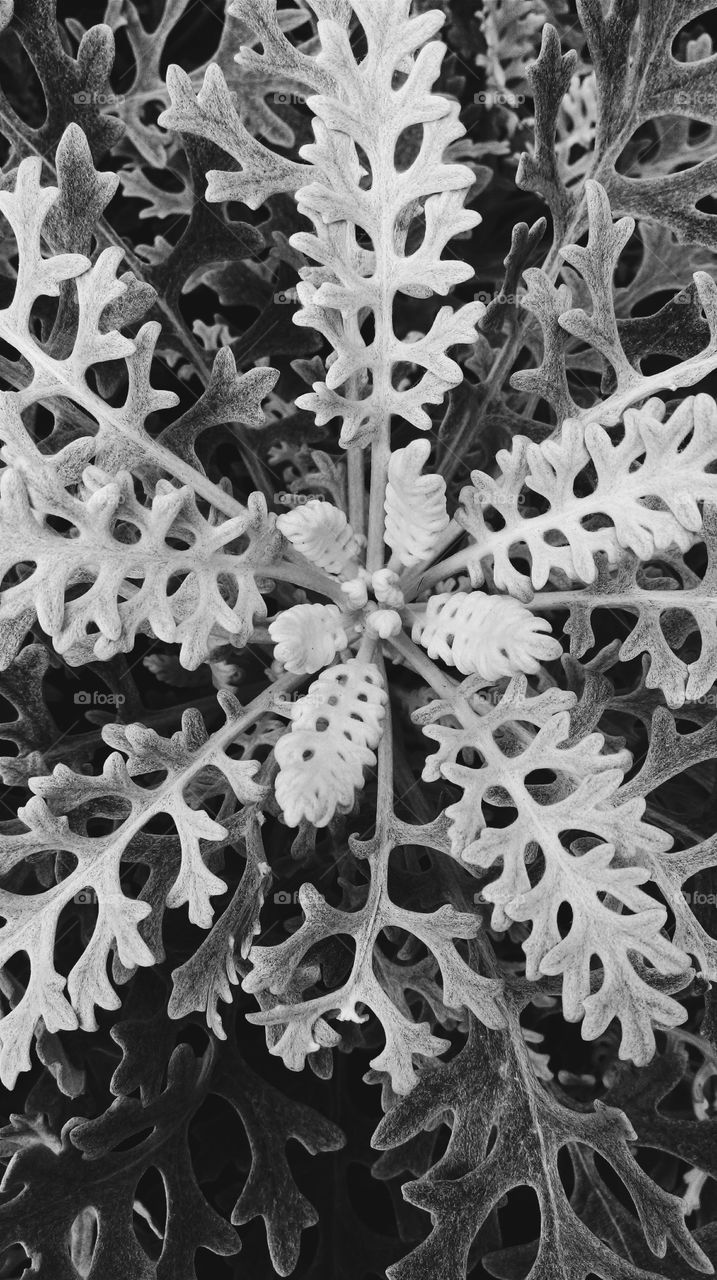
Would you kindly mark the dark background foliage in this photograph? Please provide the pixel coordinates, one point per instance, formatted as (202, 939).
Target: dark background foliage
(364, 1223)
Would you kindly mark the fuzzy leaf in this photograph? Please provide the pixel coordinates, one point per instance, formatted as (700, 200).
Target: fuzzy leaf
(492, 636)
(491, 1095)
(335, 728)
(656, 459)
(308, 637)
(53, 823)
(583, 798)
(281, 971)
(415, 505)
(322, 534)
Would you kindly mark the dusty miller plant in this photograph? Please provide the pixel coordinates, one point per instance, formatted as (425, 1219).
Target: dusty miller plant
(358, 634)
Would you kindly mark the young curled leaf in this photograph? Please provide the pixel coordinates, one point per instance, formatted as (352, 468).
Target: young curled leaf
(322, 534)
(308, 637)
(335, 728)
(415, 504)
(491, 636)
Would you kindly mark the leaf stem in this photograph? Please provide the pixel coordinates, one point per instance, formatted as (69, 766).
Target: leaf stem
(303, 575)
(380, 454)
(356, 490)
(423, 666)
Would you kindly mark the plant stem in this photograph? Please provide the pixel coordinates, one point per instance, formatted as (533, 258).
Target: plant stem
(447, 689)
(424, 667)
(306, 575)
(380, 454)
(356, 490)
